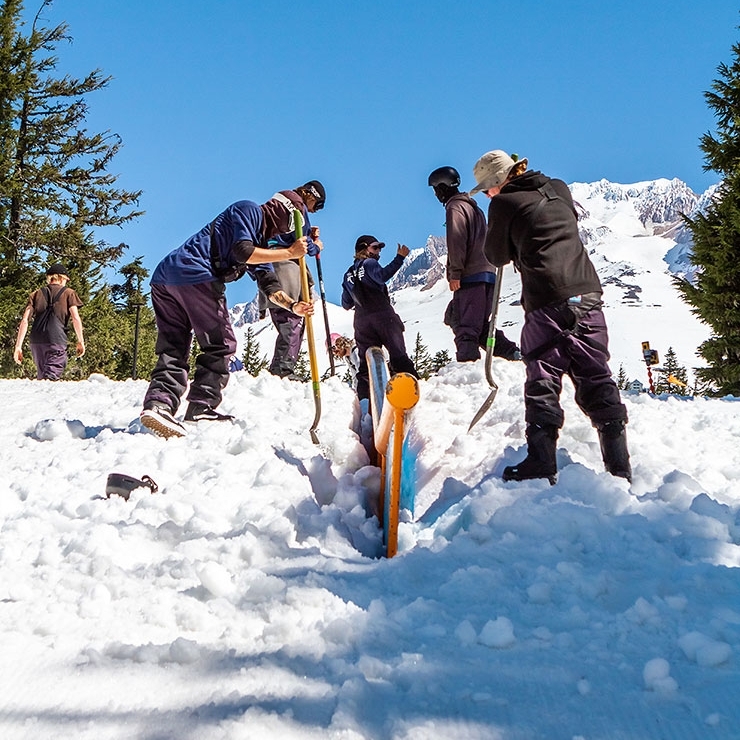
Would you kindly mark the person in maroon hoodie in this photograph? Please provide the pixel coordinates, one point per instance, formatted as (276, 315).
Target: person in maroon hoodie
(469, 274)
(532, 222)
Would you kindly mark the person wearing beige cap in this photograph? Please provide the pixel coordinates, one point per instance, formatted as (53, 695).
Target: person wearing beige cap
(51, 308)
(532, 223)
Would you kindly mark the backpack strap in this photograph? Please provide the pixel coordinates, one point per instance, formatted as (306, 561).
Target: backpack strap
(50, 301)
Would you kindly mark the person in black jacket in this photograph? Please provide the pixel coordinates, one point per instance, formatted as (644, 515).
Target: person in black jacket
(376, 323)
(532, 222)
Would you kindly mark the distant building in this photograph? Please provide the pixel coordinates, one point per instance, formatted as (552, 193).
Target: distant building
(636, 386)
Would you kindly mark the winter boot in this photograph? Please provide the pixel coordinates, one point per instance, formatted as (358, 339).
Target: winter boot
(203, 412)
(613, 441)
(540, 461)
(505, 348)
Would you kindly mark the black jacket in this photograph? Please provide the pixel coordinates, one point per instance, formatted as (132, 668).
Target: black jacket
(533, 223)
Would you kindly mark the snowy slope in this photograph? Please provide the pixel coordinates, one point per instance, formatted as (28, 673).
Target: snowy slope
(244, 599)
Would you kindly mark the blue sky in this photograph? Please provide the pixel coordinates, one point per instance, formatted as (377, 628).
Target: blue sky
(226, 100)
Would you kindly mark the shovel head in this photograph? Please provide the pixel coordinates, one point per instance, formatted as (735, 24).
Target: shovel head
(486, 405)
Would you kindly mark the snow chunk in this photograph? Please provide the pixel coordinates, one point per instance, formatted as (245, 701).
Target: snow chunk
(657, 676)
(215, 578)
(49, 429)
(703, 650)
(498, 633)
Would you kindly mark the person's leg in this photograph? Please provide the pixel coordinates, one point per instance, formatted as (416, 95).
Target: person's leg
(209, 316)
(471, 305)
(596, 392)
(543, 412)
(391, 332)
(366, 336)
(170, 375)
(50, 360)
(289, 328)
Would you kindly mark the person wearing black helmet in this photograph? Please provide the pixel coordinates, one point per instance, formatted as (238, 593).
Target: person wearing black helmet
(307, 198)
(51, 308)
(376, 323)
(470, 275)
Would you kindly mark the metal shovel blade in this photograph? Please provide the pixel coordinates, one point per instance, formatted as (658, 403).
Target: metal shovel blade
(486, 405)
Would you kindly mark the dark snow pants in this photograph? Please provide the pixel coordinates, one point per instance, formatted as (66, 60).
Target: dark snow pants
(468, 315)
(180, 312)
(288, 343)
(50, 360)
(582, 354)
(380, 329)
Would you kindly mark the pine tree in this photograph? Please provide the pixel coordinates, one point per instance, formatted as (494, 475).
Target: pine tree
(440, 359)
(716, 241)
(302, 369)
(55, 187)
(253, 363)
(622, 379)
(422, 359)
(672, 377)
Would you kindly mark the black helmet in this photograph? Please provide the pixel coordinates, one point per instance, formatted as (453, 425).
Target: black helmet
(444, 176)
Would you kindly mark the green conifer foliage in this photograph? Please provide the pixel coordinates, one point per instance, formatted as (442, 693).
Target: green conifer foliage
(422, 359)
(55, 184)
(254, 361)
(672, 377)
(715, 295)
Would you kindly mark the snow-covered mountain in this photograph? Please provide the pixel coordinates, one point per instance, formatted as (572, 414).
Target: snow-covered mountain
(637, 240)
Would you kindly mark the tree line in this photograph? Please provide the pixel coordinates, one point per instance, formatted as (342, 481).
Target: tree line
(56, 190)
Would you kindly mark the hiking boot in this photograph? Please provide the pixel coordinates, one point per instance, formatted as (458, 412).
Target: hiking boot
(203, 412)
(504, 348)
(540, 461)
(160, 420)
(613, 442)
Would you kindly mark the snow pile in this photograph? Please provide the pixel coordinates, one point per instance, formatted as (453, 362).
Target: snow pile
(245, 598)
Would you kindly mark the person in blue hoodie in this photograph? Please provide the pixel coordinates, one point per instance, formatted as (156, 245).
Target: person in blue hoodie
(188, 297)
(376, 323)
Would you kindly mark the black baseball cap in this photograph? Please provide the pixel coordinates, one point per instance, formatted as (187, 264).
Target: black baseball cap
(365, 241)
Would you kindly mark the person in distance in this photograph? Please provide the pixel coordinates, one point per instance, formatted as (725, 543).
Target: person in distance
(290, 326)
(51, 308)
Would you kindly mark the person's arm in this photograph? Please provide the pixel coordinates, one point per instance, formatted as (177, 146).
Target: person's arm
(77, 325)
(270, 285)
(22, 329)
(282, 299)
(377, 276)
(496, 247)
(296, 250)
